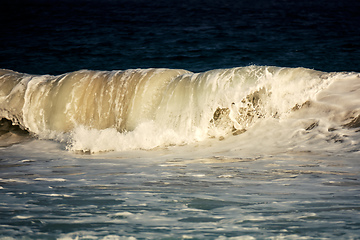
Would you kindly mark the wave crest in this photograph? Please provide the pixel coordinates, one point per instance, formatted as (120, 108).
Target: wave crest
(146, 108)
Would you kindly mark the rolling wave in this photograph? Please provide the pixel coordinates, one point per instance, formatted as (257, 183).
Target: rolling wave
(146, 108)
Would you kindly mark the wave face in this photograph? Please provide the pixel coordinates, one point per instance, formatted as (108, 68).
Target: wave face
(147, 108)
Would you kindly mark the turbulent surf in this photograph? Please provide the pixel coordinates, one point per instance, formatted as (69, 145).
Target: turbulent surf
(146, 108)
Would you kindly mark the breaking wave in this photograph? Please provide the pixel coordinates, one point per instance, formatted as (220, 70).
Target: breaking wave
(147, 108)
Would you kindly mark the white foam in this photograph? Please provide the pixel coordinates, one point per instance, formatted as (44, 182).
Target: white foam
(51, 179)
(97, 111)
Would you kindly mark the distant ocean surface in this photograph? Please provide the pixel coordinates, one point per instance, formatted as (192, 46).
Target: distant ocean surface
(167, 119)
(54, 37)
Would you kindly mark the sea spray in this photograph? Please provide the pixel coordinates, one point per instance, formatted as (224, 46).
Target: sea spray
(97, 111)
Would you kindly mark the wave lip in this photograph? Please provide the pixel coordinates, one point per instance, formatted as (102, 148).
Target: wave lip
(146, 108)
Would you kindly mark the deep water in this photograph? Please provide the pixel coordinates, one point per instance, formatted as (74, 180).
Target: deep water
(53, 37)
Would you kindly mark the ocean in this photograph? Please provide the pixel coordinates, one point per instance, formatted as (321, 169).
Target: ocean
(169, 119)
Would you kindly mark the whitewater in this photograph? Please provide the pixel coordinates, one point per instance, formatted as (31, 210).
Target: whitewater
(255, 152)
(147, 108)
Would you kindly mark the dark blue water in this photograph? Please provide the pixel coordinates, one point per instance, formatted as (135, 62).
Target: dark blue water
(53, 37)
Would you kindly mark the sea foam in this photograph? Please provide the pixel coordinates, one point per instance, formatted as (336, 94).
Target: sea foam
(95, 111)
